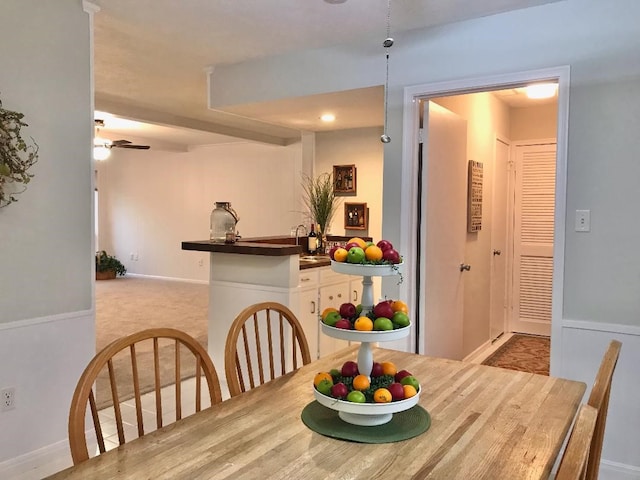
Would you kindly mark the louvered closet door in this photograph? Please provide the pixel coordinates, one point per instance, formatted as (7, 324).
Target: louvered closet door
(533, 238)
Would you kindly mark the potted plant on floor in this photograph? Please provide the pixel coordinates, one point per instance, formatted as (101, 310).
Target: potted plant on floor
(108, 266)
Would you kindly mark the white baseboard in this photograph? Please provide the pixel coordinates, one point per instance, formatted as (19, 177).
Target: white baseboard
(39, 463)
(485, 350)
(173, 279)
(618, 471)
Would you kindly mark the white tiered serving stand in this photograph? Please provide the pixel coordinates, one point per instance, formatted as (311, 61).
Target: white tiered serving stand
(366, 414)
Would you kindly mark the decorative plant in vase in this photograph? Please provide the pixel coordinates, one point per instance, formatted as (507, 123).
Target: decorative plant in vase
(108, 266)
(321, 201)
(16, 156)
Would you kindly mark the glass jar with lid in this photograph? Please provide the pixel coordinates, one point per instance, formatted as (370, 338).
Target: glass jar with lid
(223, 223)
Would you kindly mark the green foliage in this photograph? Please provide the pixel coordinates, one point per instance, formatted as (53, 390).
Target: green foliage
(16, 157)
(105, 262)
(320, 199)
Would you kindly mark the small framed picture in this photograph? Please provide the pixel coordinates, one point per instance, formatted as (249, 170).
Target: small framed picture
(355, 216)
(344, 179)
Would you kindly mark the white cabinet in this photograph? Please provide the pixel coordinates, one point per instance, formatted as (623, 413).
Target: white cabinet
(309, 309)
(308, 317)
(334, 291)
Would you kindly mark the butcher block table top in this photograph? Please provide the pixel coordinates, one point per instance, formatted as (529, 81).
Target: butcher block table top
(486, 422)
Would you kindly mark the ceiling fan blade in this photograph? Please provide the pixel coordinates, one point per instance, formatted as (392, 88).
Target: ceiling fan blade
(119, 143)
(135, 147)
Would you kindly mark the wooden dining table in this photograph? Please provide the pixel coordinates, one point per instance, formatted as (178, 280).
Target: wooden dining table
(486, 423)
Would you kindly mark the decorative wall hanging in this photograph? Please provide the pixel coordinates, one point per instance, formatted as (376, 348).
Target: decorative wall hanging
(355, 216)
(474, 197)
(344, 177)
(16, 157)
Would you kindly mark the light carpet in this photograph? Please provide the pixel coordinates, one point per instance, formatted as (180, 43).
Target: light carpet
(525, 353)
(127, 305)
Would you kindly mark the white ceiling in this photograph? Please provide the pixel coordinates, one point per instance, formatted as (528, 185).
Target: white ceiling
(151, 57)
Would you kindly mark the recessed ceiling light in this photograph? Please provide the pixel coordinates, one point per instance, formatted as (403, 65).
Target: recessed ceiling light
(335, 2)
(542, 90)
(328, 117)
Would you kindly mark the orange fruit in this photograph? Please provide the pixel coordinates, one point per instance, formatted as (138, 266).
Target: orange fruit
(340, 255)
(364, 324)
(382, 395)
(389, 368)
(409, 391)
(399, 306)
(361, 243)
(322, 376)
(373, 253)
(327, 310)
(361, 382)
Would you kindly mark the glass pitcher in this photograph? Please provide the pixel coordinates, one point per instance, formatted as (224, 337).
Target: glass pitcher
(223, 223)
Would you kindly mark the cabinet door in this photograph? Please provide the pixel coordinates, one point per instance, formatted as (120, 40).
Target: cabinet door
(309, 319)
(355, 290)
(332, 296)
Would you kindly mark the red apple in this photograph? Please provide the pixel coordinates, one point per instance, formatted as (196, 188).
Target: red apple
(332, 251)
(343, 323)
(384, 245)
(383, 309)
(376, 370)
(348, 310)
(349, 369)
(339, 390)
(391, 255)
(350, 245)
(401, 374)
(397, 391)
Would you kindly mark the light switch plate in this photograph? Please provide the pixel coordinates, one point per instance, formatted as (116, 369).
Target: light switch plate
(583, 220)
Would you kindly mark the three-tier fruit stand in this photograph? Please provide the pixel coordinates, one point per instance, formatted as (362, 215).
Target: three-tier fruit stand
(366, 414)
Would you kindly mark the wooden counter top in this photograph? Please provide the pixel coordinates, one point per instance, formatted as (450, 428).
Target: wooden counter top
(244, 247)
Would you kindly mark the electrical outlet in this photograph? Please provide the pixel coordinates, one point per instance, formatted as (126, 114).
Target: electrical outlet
(136, 259)
(132, 256)
(8, 396)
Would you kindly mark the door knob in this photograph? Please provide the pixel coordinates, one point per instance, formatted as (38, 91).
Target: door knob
(464, 266)
(497, 252)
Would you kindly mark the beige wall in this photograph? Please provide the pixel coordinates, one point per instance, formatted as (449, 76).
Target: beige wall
(363, 148)
(487, 117)
(534, 122)
(151, 201)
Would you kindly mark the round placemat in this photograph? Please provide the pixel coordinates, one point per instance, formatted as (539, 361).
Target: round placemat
(402, 426)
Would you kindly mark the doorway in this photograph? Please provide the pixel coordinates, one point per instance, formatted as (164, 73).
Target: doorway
(412, 118)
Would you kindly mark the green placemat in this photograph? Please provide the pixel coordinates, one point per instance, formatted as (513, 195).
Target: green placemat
(402, 426)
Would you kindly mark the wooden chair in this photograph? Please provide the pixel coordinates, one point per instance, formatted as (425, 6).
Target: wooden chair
(576, 454)
(599, 399)
(274, 328)
(84, 392)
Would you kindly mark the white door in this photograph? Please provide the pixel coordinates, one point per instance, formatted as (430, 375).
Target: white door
(446, 224)
(535, 173)
(500, 250)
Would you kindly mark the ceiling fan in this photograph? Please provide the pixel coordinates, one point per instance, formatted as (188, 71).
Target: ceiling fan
(115, 143)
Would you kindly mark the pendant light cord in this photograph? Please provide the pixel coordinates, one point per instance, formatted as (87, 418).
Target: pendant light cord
(385, 138)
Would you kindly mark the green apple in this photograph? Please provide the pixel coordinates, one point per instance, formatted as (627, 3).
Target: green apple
(324, 387)
(382, 323)
(332, 318)
(356, 397)
(411, 380)
(355, 255)
(358, 309)
(400, 319)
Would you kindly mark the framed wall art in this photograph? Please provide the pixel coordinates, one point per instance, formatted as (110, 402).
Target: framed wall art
(344, 179)
(355, 216)
(474, 197)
